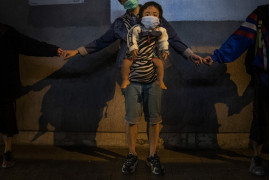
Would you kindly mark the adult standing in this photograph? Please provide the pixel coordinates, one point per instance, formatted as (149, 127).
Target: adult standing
(119, 30)
(253, 34)
(13, 43)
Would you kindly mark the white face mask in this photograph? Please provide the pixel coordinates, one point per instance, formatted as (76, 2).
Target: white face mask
(150, 22)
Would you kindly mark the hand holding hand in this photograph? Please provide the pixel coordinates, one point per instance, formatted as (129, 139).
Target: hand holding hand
(208, 61)
(198, 60)
(59, 51)
(69, 53)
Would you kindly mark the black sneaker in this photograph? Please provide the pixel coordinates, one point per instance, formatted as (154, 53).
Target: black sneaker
(7, 160)
(130, 164)
(256, 167)
(155, 166)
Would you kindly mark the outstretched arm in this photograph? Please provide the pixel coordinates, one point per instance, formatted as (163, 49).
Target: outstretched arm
(178, 45)
(32, 47)
(243, 38)
(104, 41)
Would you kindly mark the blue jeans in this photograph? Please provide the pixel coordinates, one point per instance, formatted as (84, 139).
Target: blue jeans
(146, 97)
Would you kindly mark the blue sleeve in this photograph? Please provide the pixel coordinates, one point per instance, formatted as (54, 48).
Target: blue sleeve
(104, 41)
(233, 48)
(174, 40)
(242, 39)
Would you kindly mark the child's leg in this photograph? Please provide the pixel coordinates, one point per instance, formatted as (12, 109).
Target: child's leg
(125, 70)
(160, 72)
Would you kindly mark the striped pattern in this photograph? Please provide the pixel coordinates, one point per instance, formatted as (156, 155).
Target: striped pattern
(249, 29)
(143, 69)
(126, 19)
(249, 25)
(142, 72)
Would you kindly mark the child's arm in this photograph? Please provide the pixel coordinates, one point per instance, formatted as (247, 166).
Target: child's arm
(163, 43)
(132, 39)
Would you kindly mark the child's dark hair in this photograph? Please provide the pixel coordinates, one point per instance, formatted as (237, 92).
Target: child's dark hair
(148, 4)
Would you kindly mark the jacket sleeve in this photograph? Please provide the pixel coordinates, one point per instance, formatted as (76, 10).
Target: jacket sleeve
(32, 47)
(175, 41)
(163, 40)
(243, 38)
(104, 41)
(133, 38)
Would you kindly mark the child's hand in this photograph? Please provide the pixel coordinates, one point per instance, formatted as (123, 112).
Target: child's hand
(135, 53)
(165, 56)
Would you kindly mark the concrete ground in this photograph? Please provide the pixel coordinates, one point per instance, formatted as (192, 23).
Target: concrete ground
(64, 163)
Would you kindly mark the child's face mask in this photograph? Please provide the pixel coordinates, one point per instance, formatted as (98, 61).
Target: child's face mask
(131, 4)
(150, 22)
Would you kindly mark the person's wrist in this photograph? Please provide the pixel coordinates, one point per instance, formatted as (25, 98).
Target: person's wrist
(191, 57)
(81, 50)
(214, 58)
(188, 53)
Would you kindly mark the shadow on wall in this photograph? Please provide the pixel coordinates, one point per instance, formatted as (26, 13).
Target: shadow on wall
(188, 108)
(77, 97)
(80, 90)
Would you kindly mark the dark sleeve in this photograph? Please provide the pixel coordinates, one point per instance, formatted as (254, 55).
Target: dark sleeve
(104, 41)
(174, 40)
(32, 47)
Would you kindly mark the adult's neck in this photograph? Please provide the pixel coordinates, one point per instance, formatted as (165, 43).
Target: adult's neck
(136, 11)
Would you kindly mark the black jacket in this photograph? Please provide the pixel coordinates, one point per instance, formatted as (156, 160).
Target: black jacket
(13, 43)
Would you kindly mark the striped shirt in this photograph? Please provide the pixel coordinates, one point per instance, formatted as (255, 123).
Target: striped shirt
(143, 69)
